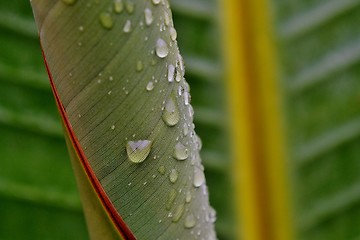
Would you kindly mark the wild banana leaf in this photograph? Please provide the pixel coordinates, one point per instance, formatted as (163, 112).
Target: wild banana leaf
(118, 80)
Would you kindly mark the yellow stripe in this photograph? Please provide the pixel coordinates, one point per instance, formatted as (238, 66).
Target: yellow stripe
(260, 175)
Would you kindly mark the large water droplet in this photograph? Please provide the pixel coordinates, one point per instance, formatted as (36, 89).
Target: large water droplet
(173, 176)
(69, 2)
(171, 72)
(148, 16)
(171, 114)
(127, 27)
(161, 49)
(156, 2)
(190, 221)
(150, 86)
(173, 34)
(178, 213)
(171, 199)
(106, 20)
(180, 151)
(118, 6)
(199, 177)
(138, 151)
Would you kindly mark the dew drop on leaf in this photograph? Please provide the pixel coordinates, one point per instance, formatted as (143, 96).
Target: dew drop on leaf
(171, 199)
(171, 72)
(161, 170)
(173, 176)
(118, 6)
(138, 151)
(156, 2)
(178, 213)
(181, 152)
(139, 66)
(161, 49)
(130, 6)
(199, 177)
(127, 26)
(188, 197)
(150, 86)
(171, 114)
(190, 221)
(106, 20)
(148, 16)
(173, 34)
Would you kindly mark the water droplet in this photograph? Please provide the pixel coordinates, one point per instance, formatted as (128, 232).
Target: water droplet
(106, 20)
(112, 127)
(178, 213)
(167, 19)
(171, 114)
(178, 76)
(185, 129)
(173, 34)
(139, 66)
(69, 2)
(190, 221)
(156, 2)
(180, 151)
(199, 177)
(150, 86)
(118, 6)
(171, 199)
(148, 16)
(161, 170)
(81, 28)
(173, 176)
(171, 72)
(130, 6)
(211, 216)
(137, 151)
(188, 197)
(127, 27)
(161, 49)
(187, 98)
(198, 142)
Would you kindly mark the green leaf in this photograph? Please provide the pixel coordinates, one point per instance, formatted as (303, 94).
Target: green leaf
(101, 60)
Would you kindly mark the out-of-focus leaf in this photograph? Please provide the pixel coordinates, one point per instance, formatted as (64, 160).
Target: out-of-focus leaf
(118, 81)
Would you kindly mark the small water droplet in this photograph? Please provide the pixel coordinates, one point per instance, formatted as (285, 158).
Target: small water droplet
(211, 216)
(171, 72)
(127, 26)
(181, 152)
(106, 20)
(171, 114)
(81, 28)
(199, 177)
(178, 76)
(156, 2)
(190, 221)
(185, 129)
(150, 86)
(178, 213)
(148, 16)
(161, 49)
(69, 2)
(171, 199)
(138, 151)
(139, 66)
(112, 127)
(188, 197)
(162, 170)
(173, 34)
(118, 6)
(130, 6)
(173, 176)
